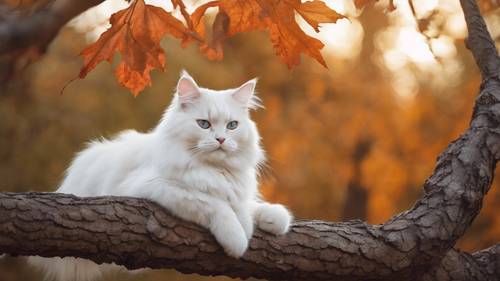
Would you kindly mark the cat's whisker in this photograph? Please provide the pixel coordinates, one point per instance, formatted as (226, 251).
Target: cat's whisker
(196, 150)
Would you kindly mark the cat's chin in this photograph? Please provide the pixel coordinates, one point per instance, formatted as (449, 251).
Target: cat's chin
(217, 156)
(219, 150)
(219, 153)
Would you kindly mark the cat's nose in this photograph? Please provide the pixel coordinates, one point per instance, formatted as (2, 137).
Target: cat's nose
(220, 140)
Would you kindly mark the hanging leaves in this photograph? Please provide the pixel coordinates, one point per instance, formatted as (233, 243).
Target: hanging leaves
(277, 17)
(136, 32)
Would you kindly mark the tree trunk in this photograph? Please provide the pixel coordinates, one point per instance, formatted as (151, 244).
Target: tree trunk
(356, 202)
(414, 245)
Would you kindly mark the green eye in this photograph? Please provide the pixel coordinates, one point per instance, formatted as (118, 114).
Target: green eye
(204, 124)
(232, 125)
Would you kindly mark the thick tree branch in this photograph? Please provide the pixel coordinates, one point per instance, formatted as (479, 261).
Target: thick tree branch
(137, 233)
(42, 27)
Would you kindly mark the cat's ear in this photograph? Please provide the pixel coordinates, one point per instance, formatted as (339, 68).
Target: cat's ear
(245, 94)
(187, 89)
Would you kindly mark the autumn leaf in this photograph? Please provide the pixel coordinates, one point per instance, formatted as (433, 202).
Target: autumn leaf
(288, 39)
(212, 49)
(316, 12)
(244, 16)
(233, 17)
(135, 33)
(183, 10)
(197, 17)
(277, 17)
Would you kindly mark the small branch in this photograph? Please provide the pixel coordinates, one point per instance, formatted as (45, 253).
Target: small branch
(479, 41)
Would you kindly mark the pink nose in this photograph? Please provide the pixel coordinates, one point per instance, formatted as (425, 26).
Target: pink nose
(220, 140)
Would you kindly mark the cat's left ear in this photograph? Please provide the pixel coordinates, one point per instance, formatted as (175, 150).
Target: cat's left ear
(187, 89)
(245, 94)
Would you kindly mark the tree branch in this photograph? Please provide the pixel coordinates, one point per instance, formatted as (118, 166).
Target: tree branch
(457, 265)
(489, 259)
(137, 233)
(479, 41)
(42, 27)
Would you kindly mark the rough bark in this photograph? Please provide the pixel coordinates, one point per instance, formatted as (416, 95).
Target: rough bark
(137, 233)
(414, 245)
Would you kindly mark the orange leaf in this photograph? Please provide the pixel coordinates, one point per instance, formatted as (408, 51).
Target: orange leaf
(288, 39)
(185, 14)
(213, 50)
(136, 33)
(197, 16)
(278, 17)
(208, 46)
(234, 16)
(244, 16)
(316, 12)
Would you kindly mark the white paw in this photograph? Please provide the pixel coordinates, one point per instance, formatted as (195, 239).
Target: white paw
(246, 222)
(235, 243)
(273, 218)
(230, 235)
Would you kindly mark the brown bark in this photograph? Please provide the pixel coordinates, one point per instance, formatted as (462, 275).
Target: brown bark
(414, 245)
(137, 233)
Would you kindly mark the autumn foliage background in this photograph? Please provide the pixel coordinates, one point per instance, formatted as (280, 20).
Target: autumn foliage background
(354, 141)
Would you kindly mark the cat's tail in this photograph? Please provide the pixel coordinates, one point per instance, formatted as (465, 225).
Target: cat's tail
(69, 268)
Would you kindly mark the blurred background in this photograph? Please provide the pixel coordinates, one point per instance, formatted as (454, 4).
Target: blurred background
(354, 141)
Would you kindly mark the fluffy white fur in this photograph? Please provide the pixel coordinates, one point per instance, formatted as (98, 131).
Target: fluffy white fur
(184, 168)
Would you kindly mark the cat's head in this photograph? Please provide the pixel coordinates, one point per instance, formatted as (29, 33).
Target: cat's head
(214, 126)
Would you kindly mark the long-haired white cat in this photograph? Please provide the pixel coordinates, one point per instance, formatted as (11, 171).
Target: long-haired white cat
(201, 163)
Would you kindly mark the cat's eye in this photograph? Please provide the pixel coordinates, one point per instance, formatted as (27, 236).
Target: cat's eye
(204, 124)
(232, 125)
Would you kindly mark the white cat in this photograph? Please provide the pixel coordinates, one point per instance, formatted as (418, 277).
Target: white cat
(201, 163)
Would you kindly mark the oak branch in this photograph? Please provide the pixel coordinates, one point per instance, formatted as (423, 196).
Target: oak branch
(414, 245)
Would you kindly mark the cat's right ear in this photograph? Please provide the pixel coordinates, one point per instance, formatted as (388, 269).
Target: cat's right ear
(245, 95)
(187, 89)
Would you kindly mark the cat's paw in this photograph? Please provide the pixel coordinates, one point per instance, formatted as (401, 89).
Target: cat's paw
(246, 222)
(273, 218)
(230, 235)
(248, 227)
(235, 243)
